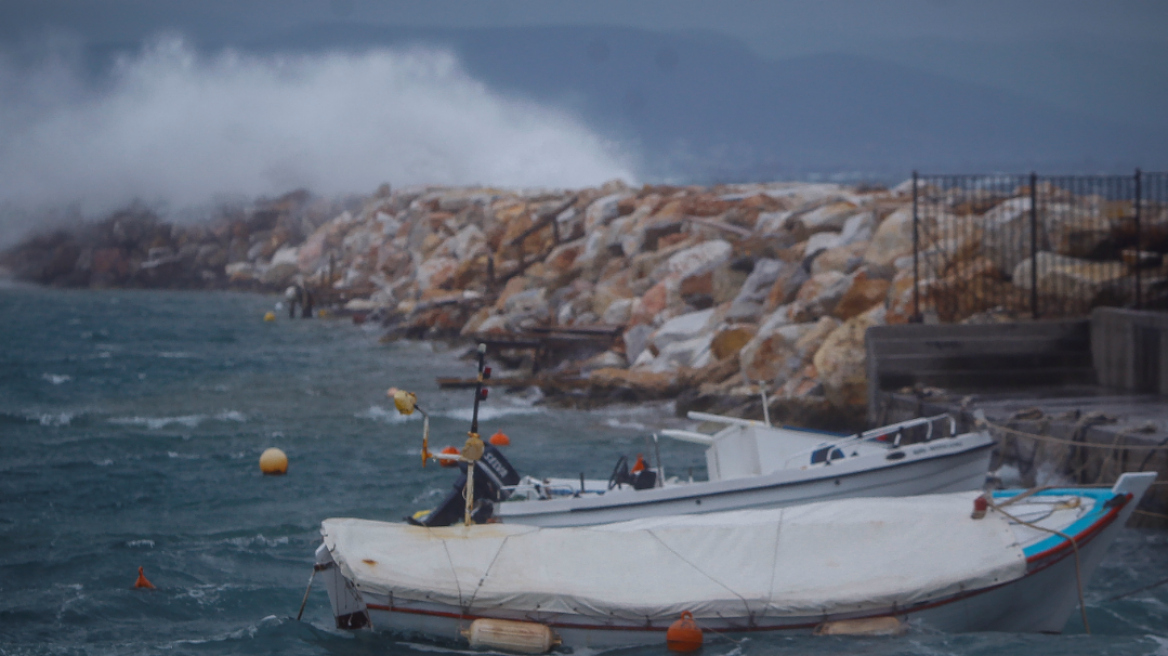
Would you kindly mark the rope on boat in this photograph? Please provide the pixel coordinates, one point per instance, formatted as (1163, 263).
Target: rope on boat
(1074, 545)
(1049, 438)
(305, 601)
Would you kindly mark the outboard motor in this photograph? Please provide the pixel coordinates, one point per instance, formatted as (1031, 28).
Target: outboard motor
(493, 474)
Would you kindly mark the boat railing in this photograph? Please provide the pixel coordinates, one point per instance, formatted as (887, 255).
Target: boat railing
(876, 434)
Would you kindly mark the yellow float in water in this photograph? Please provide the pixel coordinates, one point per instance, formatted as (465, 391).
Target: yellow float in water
(270, 316)
(273, 462)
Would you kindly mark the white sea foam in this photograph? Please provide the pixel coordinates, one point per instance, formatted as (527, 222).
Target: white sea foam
(258, 540)
(182, 128)
(182, 456)
(613, 422)
(63, 418)
(189, 421)
(134, 544)
(487, 412)
(57, 379)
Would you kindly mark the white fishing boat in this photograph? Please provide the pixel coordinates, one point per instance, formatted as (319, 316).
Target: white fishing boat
(750, 464)
(831, 567)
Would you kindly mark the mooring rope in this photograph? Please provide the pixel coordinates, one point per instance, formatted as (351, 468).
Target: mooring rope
(1074, 545)
(1050, 438)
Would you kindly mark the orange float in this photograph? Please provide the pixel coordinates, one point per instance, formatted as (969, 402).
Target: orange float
(446, 462)
(684, 634)
(142, 581)
(500, 439)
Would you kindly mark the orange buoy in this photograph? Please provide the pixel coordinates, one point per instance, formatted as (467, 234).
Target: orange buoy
(500, 439)
(684, 634)
(449, 450)
(640, 464)
(142, 582)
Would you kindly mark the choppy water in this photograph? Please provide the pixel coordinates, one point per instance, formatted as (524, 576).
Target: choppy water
(130, 428)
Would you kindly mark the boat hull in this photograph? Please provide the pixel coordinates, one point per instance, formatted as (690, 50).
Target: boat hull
(1041, 600)
(951, 465)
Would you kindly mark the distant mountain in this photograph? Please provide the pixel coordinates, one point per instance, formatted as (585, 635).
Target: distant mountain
(702, 107)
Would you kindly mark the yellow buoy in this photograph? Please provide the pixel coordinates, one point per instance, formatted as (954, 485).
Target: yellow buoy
(270, 316)
(273, 462)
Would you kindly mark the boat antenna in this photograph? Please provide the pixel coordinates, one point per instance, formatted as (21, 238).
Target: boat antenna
(472, 451)
(480, 393)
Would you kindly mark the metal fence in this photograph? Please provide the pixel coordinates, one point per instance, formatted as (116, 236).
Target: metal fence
(1038, 246)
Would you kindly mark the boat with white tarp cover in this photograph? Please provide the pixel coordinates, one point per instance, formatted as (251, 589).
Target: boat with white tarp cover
(916, 561)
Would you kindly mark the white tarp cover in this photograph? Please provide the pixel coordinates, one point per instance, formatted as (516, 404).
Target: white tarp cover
(828, 557)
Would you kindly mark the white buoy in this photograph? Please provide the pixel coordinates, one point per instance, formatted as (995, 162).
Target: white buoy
(510, 635)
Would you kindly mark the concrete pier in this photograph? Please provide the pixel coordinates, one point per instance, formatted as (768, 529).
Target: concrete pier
(1101, 383)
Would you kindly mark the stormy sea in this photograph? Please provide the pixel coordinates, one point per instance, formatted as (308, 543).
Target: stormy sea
(131, 424)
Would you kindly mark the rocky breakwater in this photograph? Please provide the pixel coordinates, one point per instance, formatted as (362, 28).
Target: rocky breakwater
(240, 247)
(702, 294)
(706, 295)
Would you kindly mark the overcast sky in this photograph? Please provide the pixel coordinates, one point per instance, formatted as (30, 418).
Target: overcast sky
(186, 119)
(771, 27)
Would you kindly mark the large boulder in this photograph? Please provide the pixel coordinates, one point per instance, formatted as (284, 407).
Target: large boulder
(526, 309)
(603, 210)
(436, 272)
(830, 217)
(862, 295)
(778, 352)
(694, 260)
(729, 340)
(842, 360)
(636, 340)
(1073, 279)
(791, 279)
(748, 304)
(1008, 233)
(893, 239)
(844, 259)
(684, 327)
(820, 294)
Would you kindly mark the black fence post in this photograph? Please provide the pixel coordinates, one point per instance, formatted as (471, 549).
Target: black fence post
(1033, 245)
(916, 249)
(1139, 246)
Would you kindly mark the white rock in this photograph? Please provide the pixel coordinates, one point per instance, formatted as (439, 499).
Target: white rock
(699, 259)
(603, 210)
(636, 340)
(772, 222)
(618, 312)
(684, 327)
(857, 228)
(747, 305)
(820, 242)
(286, 255)
(689, 353)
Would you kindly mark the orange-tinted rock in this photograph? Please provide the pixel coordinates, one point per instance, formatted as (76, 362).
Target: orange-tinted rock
(651, 303)
(730, 340)
(841, 360)
(861, 296)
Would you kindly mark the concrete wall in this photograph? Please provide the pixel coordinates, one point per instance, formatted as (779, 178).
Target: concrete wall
(1129, 349)
(975, 358)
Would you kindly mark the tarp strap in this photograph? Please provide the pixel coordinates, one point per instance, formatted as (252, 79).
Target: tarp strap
(700, 571)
